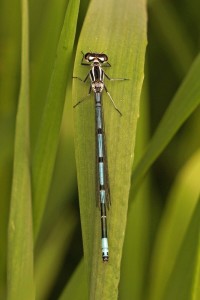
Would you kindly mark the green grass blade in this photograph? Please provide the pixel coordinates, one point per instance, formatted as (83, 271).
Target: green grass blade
(196, 285)
(178, 213)
(120, 31)
(20, 236)
(137, 237)
(181, 282)
(72, 291)
(64, 181)
(46, 23)
(46, 145)
(183, 104)
(10, 33)
(52, 254)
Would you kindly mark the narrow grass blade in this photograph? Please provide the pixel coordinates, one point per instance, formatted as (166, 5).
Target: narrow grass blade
(46, 145)
(120, 32)
(196, 278)
(76, 288)
(20, 237)
(46, 22)
(178, 213)
(10, 24)
(181, 282)
(51, 256)
(185, 101)
(137, 237)
(64, 174)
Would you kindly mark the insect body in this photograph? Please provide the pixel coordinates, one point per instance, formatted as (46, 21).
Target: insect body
(96, 74)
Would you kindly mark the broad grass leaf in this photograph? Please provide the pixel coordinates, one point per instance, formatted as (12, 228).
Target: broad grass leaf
(20, 235)
(120, 32)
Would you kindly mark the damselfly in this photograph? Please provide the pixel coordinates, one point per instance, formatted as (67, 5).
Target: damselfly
(96, 74)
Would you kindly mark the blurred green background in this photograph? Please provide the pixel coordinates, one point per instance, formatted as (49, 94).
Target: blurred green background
(173, 44)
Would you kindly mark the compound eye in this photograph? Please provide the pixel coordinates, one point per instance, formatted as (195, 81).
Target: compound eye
(89, 57)
(104, 57)
(101, 59)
